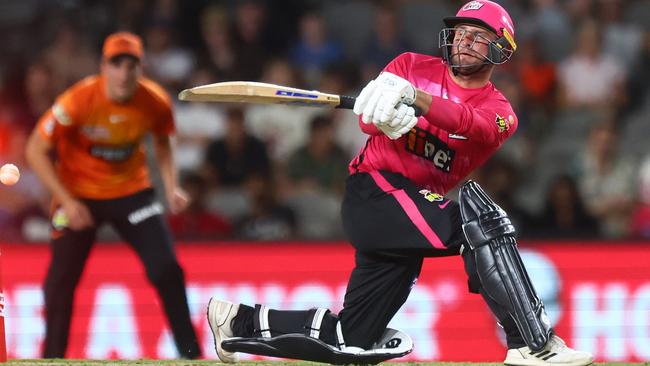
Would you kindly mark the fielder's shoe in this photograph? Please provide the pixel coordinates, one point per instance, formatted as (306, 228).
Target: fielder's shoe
(220, 314)
(555, 353)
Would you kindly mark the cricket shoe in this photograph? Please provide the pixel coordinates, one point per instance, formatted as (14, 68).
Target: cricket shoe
(220, 315)
(554, 353)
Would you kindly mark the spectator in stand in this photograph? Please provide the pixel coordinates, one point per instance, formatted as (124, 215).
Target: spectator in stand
(537, 75)
(606, 180)
(589, 78)
(316, 174)
(638, 85)
(550, 24)
(385, 44)
(218, 51)
(623, 39)
(197, 124)
(283, 128)
(268, 219)
(167, 61)
(238, 156)
(314, 50)
(21, 202)
(498, 177)
(640, 223)
(320, 164)
(196, 222)
(564, 215)
(37, 93)
(69, 57)
(249, 39)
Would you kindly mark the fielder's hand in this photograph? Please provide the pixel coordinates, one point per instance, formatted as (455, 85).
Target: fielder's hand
(77, 214)
(178, 200)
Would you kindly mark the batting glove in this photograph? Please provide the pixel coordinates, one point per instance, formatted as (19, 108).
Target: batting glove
(380, 97)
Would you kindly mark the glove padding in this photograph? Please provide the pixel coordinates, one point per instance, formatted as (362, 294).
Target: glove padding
(380, 97)
(382, 103)
(403, 120)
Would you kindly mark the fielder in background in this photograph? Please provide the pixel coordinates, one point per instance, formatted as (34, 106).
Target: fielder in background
(95, 129)
(395, 213)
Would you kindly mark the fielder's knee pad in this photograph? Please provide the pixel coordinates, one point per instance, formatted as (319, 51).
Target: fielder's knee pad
(310, 347)
(502, 275)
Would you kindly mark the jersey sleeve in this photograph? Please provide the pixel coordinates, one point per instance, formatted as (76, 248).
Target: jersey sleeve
(490, 123)
(165, 126)
(64, 113)
(163, 121)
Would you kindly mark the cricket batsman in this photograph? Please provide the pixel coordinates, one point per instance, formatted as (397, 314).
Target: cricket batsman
(395, 213)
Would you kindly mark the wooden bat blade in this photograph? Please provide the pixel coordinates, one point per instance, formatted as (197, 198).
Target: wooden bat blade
(254, 92)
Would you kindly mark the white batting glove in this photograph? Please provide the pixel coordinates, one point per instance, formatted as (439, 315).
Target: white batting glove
(380, 97)
(402, 121)
(389, 131)
(362, 99)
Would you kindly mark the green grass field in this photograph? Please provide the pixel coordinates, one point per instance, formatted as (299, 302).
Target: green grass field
(259, 363)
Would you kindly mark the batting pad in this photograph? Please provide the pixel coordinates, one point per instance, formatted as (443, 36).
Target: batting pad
(393, 344)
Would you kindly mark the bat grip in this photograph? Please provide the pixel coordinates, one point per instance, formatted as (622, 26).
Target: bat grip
(347, 102)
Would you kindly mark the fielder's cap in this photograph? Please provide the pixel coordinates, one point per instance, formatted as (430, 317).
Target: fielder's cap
(123, 43)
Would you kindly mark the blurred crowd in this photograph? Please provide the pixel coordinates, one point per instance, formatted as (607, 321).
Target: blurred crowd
(579, 166)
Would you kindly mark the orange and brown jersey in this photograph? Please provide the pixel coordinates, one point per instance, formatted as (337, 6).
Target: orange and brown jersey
(98, 142)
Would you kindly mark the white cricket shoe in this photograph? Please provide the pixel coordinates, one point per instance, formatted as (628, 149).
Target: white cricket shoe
(220, 314)
(554, 353)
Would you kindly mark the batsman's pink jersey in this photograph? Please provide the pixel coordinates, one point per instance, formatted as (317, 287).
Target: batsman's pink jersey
(462, 129)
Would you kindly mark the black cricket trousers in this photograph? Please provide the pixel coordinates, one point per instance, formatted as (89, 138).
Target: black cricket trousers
(139, 221)
(393, 225)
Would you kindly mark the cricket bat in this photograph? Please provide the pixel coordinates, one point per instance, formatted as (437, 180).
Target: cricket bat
(264, 93)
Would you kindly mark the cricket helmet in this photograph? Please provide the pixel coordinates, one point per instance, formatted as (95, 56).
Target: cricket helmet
(486, 14)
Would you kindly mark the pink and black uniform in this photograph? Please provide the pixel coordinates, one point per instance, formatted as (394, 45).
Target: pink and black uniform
(463, 128)
(394, 212)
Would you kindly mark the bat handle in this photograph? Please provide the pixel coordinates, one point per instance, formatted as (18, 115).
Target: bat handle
(347, 102)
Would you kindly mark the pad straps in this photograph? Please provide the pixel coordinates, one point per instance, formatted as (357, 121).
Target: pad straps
(340, 342)
(314, 322)
(261, 321)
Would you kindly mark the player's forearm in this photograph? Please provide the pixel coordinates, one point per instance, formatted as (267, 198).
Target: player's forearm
(37, 156)
(165, 155)
(368, 128)
(458, 118)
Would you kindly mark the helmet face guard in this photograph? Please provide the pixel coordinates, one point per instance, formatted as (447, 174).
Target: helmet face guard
(499, 51)
(485, 14)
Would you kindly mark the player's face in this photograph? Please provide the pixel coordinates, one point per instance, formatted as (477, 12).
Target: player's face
(471, 45)
(121, 73)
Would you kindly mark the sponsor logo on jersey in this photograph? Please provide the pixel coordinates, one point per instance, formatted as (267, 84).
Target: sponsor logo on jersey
(145, 212)
(473, 5)
(112, 153)
(116, 118)
(430, 196)
(502, 124)
(96, 132)
(48, 126)
(61, 115)
(422, 143)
